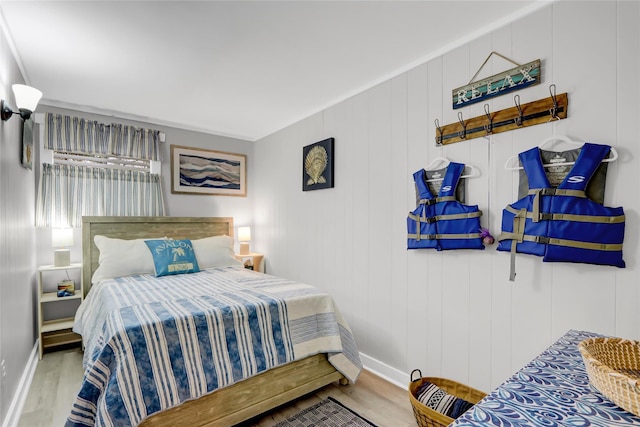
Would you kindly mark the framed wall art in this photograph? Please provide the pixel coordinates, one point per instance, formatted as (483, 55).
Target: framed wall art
(317, 165)
(200, 171)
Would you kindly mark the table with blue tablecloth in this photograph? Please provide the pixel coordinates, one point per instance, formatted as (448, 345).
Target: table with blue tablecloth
(551, 390)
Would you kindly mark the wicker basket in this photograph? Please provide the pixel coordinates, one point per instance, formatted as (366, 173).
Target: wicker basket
(613, 366)
(427, 417)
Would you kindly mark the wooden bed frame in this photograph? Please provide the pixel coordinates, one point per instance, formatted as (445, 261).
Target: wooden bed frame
(240, 401)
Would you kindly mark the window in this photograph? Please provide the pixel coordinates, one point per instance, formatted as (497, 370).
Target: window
(91, 168)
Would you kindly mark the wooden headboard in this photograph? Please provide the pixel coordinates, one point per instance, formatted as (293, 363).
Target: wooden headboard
(137, 227)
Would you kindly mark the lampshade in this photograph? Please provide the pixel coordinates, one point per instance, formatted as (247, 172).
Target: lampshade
(26, 97)
(244, 234)
(61, 238)
(244, 237)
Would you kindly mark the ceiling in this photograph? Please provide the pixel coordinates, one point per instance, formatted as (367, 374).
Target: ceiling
(243, 69)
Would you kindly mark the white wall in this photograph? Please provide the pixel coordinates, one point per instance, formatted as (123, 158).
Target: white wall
(455, 314)
(17, 262)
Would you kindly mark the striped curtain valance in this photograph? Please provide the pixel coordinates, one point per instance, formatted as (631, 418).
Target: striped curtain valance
(67, 192)
(70, 134)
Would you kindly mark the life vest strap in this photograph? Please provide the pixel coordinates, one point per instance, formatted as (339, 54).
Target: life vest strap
(537, 192)
(571, 217)
(444, 236)
(574, 243)
(556, 192)
(429, 202)
(561, 242)
(432, 219)
(519, 222)
(517, 237)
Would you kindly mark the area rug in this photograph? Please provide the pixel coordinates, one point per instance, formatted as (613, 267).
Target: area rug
(328, 413)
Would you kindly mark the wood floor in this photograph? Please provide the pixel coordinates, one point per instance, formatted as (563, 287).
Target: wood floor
(59, 374)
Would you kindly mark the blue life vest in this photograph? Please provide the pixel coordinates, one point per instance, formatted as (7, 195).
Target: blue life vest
(441, 222)
(562, 224)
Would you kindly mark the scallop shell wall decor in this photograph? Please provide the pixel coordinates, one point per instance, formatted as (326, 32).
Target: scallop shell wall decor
(317, 165)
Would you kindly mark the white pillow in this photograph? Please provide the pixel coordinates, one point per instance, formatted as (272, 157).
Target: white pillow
(120, 257)
(215, 251)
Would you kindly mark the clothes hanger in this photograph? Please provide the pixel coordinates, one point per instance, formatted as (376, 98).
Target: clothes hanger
(442, 162)
(435, 163)
(547, 144)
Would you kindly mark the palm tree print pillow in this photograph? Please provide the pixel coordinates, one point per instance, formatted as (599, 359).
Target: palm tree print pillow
(173, 256)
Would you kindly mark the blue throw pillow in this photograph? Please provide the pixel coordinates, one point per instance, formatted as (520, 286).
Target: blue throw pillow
(439, 400)
(173, 256)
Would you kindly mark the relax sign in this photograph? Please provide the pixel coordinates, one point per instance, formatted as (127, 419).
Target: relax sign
(515, 79)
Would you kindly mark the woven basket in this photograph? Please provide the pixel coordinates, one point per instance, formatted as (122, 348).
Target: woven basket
(613, 366)
(427, 417)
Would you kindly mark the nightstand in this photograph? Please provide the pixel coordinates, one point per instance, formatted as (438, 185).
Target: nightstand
(56, 329)
(252, 260)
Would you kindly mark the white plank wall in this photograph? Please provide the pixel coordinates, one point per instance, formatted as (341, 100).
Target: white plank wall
(627, 315)
(455, 314)
(17, 245)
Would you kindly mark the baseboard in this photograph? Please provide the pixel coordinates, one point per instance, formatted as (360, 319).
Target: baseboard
(17, 403)
(388, 373)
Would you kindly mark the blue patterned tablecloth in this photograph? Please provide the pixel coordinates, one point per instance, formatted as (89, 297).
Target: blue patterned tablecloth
(551, 390)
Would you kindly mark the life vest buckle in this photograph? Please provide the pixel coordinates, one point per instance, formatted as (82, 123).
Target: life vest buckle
(429, 219)
(548, 191)
(545, 217)
(428, 202)
(542, 239)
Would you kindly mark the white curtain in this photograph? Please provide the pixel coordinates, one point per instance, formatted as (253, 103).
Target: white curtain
(70, 134)
(67, 192)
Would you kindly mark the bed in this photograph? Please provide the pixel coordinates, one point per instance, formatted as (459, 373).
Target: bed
(288, 362)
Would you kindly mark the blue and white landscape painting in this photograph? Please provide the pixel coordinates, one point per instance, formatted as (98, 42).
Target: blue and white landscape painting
(209, 172)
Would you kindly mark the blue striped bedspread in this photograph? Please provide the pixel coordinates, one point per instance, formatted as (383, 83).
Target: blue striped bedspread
(152, 343)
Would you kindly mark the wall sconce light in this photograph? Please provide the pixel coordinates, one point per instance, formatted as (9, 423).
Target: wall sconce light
(244, 237)
(27, 99)
(61, 238)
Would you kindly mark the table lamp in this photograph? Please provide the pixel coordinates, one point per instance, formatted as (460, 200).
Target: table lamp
(61, 238)
(244, 237)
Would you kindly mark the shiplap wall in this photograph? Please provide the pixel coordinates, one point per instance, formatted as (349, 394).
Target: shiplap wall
(455, 313)
(17, 243)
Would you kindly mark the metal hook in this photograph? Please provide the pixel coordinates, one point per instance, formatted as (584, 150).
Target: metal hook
(463, 132)
(553, 111)
(488, 127)
(520, 117)
(439, 129)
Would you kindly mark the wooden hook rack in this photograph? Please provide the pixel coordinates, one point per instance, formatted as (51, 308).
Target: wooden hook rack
(520, 116)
